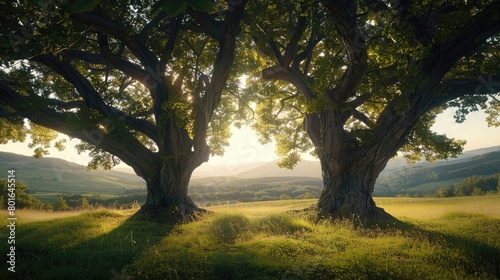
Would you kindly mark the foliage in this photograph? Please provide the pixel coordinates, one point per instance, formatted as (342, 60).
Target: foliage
(123, 74)
(22, 198)
(60, 205)
(371, 72)
(473, 185)
(487, 164)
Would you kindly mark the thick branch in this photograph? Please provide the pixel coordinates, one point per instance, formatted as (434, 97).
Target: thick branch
(291, 48)
(343, 16)
(85, 89)
(92, 98)
(287, 74)
(130, 150)
(432, 69)
(169, 48)
(472, 35)
(102, 24)
(109, 59)
(227, 33)
(363, 118)
(455, 88)
(207, 23)
(66, 105)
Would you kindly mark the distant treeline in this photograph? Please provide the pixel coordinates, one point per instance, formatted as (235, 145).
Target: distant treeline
(409, 178)
(473, 185)
(295, 189)
(65, 202)
(231, 191)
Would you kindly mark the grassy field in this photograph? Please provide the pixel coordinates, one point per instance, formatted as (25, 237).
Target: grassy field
(447, 238)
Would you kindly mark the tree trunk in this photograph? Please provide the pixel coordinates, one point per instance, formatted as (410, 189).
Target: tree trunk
(349, 170)
(348, 190)
(167, 197)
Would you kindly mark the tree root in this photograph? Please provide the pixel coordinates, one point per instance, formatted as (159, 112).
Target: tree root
(171, 214)
(375, 217)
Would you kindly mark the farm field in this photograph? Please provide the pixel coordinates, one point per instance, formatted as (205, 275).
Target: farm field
(435, 238)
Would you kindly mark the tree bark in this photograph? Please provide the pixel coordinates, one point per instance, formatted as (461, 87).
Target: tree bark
(348, 190)
(349, 170)
(167, 192)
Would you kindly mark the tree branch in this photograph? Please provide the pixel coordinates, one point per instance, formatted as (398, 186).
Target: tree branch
(102, 24)
(207, 23)
(112, 142)
(169, 48)
(228, 32)
(291, 48)
(363, 118)
(66, 105)
(472, 35)
(91, 97)
(287, 74)
(344, 17)
(454, 88)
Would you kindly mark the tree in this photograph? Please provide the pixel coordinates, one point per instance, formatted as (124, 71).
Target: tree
(285, 197)
(446, 191)
(84, 203)
(21, 198)
(139, 83)
(363, 80)
(60, 205)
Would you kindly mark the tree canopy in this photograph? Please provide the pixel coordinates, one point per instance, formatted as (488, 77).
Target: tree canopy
(157, 84)
(135, 82)
(381, 55)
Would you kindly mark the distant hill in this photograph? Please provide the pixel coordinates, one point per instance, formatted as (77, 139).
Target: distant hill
(428, 177)
(53, 175)
(313, 169)
(229, 169)
(304, 168)
(250, 181)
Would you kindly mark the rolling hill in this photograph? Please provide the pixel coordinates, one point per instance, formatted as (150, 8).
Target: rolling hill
(304, 168)
(249, 181)
(53, 175)
(425, 178)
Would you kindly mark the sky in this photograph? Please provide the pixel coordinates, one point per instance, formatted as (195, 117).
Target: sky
(245, 147)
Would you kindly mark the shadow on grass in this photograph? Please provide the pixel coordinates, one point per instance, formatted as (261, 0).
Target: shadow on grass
(99, 245)
(400, 250)
(93, 245)
(473, 235)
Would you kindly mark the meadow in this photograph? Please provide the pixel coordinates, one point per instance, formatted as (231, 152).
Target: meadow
(435, 238)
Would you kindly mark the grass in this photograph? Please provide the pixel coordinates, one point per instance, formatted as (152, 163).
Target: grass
(446, 238)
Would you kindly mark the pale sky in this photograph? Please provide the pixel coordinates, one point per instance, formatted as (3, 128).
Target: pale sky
(244, 146)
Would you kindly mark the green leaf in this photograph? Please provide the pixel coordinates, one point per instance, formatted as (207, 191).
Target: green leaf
(80, 6)
(5, 42)
(157, 6)
(201, 5)
(40, 3)
(175, 7)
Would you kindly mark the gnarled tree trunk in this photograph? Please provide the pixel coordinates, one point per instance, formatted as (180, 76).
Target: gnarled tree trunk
(348, 190)
(169, 189)
(349, 170)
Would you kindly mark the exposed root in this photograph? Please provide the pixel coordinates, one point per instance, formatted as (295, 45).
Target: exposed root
(374, 217)
(171, 215)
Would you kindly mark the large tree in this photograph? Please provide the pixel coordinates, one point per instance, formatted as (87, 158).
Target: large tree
(364, 80)
(137, 81)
